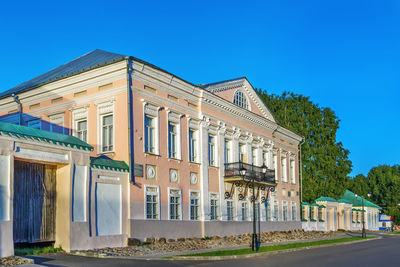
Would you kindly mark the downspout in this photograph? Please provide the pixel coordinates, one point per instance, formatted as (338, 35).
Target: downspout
(301, 172)
(130, 116)
(16, 99)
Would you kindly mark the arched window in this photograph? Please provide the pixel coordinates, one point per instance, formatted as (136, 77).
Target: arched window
(240, 99)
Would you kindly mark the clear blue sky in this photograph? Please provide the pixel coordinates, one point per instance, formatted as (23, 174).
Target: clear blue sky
(344, 54)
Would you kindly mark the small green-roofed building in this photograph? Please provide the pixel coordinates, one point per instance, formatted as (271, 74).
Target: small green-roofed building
(327, 199)
(342, 200)
(357, 202)
(314, 205)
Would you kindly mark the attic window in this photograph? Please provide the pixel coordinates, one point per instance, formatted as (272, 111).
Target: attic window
(240, 99)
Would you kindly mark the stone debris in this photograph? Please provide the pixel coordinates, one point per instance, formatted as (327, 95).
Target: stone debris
(163, 245)
(8, 261)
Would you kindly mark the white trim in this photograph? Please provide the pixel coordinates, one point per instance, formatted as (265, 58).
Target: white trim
(158, 201)
(180, 204)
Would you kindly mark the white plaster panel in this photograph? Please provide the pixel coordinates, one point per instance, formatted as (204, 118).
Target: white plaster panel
(4, 188)
(79, 197)
(108, 209)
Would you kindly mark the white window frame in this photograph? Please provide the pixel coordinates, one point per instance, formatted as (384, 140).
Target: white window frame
(102, 116)
(180, 203)
(213, 162)
(80, 114)
(240, 99)
(227, 150)
(292, 170)
(214, 196)
(104, 108)
(285, 205)
(151, 110)
(275, 215)
(195, 146)
(232, 208)
(191, 194)
(293, 211)
(174, 118)
(254, 157)
(284, 169)
(241, 210)
(158, 201)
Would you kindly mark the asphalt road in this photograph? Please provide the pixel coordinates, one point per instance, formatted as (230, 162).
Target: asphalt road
(381, 252)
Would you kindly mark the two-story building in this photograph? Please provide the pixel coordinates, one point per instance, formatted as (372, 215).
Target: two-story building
(193, 151)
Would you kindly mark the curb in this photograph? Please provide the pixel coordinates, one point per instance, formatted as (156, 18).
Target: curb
(262, 254)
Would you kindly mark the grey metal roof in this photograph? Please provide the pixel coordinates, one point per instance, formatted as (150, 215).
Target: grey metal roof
(91, 60)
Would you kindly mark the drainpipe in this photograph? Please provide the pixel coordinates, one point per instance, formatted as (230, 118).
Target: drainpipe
(16, 99)
(301, 172)
(130, 115)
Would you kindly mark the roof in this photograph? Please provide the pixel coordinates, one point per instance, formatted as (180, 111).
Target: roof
(28, 133)
(358, 202)
(342, 200)
(321, 206)
(305, 203)
(314, 205)
(105, 163)
(92, 60)
(328, 199)
(224, 85)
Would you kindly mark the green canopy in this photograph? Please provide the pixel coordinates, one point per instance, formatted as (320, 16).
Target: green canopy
(24, 132)
(358, 201)
(106, 163)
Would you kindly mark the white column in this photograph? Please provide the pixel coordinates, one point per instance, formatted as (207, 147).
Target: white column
(221, 161)
(204, 195)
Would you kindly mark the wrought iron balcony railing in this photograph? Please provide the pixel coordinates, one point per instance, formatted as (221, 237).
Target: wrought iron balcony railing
(252, 172)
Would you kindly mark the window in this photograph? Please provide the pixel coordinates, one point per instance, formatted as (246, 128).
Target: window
(211, 150)
(257, 211)
(304, 212)
(320, 213)
(194, 206)
(312, 213)
(240, 100)
(254, 155)
(284, 211)
(294, 211)
(174, 204)
(292, 174)
(227, 151)
(149, 134)
(192, 145)
(213, 207)
(268, 215)
(244, 211)
(284, 192)
(81, 130)
(152, 203)
(229, 210)
(242, 153)
(274, 165)
(172, 141)
(276, 210)
(265, 158)
(283, 169)
(107, 133)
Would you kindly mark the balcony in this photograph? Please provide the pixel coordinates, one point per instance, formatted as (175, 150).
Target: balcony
(232, 174)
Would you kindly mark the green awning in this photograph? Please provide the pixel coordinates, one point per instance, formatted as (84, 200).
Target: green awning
(321, 206)
(305, 204)
(106, 163)
(28, 133)
(314, 204)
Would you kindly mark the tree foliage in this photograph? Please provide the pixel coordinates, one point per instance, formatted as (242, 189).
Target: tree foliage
(325, 161)
(383, 183)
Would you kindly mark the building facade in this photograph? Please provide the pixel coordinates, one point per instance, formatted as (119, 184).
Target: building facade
(185, 144)
(347, 213)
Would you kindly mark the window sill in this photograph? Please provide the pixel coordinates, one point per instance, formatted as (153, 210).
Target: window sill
(195, 163)
(112, 153)
(151, 154)
(175, 159)
(213, 167)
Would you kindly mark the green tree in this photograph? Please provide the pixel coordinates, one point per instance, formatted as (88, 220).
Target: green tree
(325, 162)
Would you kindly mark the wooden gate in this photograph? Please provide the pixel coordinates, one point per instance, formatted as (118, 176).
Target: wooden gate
(34, 202)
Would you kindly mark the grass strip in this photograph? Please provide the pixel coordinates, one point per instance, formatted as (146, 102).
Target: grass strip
(36, 251)
(275, 247)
